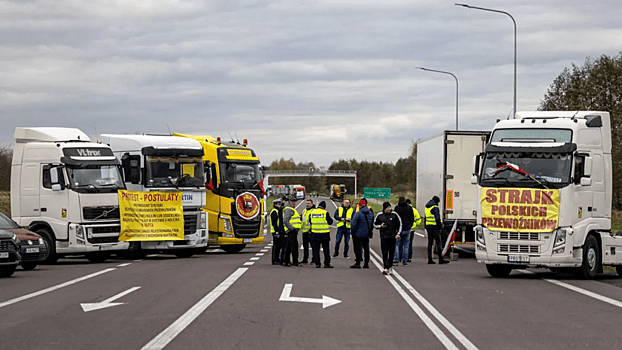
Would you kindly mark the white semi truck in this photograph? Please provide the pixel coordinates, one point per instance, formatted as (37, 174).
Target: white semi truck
(443, 163)
(64, 187)
(166, 163)
(545, 184)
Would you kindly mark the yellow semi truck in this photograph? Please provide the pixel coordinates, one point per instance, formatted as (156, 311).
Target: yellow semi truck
(234, 200)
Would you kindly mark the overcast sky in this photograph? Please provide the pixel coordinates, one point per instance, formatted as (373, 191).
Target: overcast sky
(312, 80)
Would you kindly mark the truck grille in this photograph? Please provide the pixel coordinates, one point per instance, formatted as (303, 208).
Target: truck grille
(104, 230)
(100, 240)
(246, 228)
(7, 245)
(514, 248)
(101, 213)
(523, 236)
(190, 223)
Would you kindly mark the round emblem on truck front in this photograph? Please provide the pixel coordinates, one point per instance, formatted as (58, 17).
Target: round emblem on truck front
(247, 205)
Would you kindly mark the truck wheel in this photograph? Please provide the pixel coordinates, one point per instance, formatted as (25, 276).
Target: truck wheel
(98, 257)
(7, 271)
(591, 259)
(28, 266)
(619, 270)
(184, 253)
(499, 271)
(50, 257)
(233, 248)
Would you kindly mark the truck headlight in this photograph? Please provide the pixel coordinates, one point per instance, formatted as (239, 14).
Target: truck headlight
(80, 231)
(479, 234)
(560, 238)
(203, 220)
(227, 224)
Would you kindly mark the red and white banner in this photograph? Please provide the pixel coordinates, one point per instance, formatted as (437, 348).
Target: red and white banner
(450, 238)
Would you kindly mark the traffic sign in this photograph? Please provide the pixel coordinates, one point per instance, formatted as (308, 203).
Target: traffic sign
(377, 193)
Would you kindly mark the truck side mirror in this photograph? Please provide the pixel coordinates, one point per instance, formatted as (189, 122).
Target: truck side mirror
(56, 187)
(587, 167)
(209, 179)
(131, 168)
(55, 174)
(475, 174)
(586, 181)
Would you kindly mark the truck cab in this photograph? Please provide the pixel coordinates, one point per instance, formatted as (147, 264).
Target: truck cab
(545, 192)
(64, 188)
(167, 163)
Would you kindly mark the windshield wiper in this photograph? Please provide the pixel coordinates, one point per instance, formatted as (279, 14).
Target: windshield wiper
(498, 179)
(87, 187)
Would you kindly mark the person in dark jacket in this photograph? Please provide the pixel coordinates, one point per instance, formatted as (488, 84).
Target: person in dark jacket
(276, 229)
(390, 225)
(402, 244)
(433, 226)
(362, 225)
(320, 222)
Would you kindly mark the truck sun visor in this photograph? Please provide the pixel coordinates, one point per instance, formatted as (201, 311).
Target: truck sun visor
(172, 152)
(565, 148)
(89, 156)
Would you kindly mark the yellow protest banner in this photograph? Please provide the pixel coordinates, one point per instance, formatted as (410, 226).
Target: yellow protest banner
(151, 216)
(520, 209)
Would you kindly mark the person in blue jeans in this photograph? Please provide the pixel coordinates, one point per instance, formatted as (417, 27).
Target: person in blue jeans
(343, 216)
(402, 243)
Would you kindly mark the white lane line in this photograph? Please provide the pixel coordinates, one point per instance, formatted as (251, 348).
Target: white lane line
(249, 263)
(264, 250)
(162, 339)
(579, 290)
(428, 322)
(419, 234)
(124, 265)
(255, 258)
(260, 254)
(213, 250)
(53, 288)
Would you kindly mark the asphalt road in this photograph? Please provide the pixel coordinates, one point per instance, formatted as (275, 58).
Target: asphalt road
(232, 301)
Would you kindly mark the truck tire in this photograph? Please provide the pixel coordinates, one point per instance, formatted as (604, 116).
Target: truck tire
(7, 271)
(233, 248)
(619, 270)
(591, 259)
(498, 271)
(97, 257)
(184, 253)
(29, 265)
(50, 257)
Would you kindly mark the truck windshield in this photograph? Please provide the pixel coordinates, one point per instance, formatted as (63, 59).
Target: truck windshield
(551, 169)
(95, 178)
(174, 172)
(240, 172)
(532, 135)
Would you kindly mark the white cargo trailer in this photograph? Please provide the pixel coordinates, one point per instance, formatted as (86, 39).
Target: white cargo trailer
(444, 163)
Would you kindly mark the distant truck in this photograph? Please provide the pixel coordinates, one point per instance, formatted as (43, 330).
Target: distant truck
(64, 188)
(167, 163)
(235, 202)
(337, 192)
(545, 185)
(298, 191)
(443, 161)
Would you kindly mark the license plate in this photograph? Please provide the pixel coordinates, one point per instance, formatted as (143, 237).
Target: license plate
(247, 240)
(32, 250)
(106, 247)
(518, 258)
(4, 255)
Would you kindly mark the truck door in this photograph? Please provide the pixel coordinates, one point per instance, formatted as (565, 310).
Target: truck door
(55, 199)
(29, 191)
(584, 194)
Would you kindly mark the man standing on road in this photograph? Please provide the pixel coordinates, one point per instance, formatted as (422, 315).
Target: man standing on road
(433, 226)
(412, 230)
(405, 212)
(291, 223)
(320, 234)
(276, 229)
(362, 226)
(306, 227)
(343, 215)
(390, 225)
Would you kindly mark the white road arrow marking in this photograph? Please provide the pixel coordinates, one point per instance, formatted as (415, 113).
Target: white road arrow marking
(108, 302)
(325, 301)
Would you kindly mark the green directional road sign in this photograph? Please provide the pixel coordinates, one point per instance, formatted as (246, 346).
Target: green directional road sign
(377, 193)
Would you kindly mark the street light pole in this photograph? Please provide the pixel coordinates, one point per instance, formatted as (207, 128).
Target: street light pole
(440, 71)
(514, 21)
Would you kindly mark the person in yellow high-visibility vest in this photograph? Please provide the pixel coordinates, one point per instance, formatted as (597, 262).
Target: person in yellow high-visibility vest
(320, 234)
(433, 226)
(343, 215)
(413, 229)
(276, 229)
(291, 223)
(306, 228)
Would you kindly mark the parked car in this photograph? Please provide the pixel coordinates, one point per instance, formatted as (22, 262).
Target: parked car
(33, 248)
(9, 253)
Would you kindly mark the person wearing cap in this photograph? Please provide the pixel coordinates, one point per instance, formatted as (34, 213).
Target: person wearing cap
(320, 222)
(291, 223)
(306, 227)
(390, 225)
(276, 229)
(343, 215)
(283, 235)
(433, 226)
(413, 229)
(405, 212)
(362, 226)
